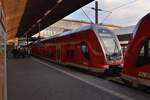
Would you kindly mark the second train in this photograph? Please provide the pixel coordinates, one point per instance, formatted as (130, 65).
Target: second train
(92, 47)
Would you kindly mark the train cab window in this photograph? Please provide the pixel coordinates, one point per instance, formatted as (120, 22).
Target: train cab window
(143, 57)
(85, 50)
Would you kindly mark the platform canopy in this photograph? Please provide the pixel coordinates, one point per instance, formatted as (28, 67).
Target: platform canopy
(23, 16)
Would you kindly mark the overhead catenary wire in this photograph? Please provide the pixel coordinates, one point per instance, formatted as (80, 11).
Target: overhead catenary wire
(105, 18)
(125, 4)
(120, 6)
(116, 8)
(87, 16)
(110, 11)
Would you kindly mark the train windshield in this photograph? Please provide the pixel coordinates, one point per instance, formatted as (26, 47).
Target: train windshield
(110, 44)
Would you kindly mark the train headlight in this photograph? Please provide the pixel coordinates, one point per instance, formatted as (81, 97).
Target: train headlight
(121, 65)
(106, 66)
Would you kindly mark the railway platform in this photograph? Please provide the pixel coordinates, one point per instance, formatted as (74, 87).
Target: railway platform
(36, 79)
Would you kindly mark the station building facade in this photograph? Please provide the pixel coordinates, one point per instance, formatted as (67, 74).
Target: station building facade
(65, 25)
(124, 34)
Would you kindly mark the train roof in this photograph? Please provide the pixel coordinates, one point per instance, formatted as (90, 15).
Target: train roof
(83, 28)
(143, 25)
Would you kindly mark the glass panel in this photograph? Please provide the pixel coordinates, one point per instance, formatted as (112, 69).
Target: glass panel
(143, 57)
(110, 44)
(105, 32)
(84, 49)
(142, 52)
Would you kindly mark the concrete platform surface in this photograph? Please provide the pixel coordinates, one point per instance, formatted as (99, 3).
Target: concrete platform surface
(34, 79)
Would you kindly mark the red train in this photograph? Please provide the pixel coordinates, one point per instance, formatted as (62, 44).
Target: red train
(137, 58)
(92, 47)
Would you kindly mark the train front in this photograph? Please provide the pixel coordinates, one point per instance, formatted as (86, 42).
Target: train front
(112, 50)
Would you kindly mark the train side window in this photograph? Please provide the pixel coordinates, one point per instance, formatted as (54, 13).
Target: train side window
(85, 50)
(143, 57)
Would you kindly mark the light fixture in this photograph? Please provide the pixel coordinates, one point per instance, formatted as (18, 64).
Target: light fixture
(39, 20)
(47, 12)
(59, 1)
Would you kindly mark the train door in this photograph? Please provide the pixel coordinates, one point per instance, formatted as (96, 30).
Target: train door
(58, 53)
(143, 63)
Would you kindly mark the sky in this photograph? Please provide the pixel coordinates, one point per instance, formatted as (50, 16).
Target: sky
(121, 12)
